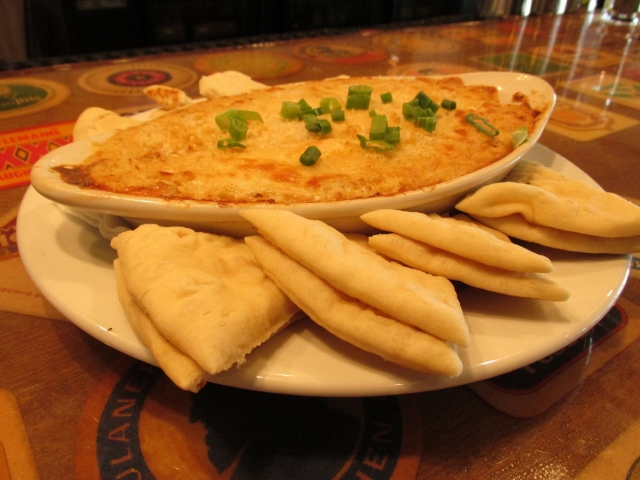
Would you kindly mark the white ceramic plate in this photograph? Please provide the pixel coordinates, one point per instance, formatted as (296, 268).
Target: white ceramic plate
(343, 215)
(72, 266)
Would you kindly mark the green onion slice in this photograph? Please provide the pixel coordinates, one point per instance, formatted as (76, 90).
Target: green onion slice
(310, 156)
(427, 123)
(360, 90)
(317, 125)
(378, 127)
(520, 136)
(386, 97)
(392, 135)
(229, 143)
(377, 145)
(289, 110)
(358, 102)
(330, 104)
(238, 129)
(448, 104)
(482, 124)
(426, 102)
(337, 115)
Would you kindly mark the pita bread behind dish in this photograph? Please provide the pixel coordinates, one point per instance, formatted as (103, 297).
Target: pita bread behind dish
(461, 238)
(545, 197)
(205, 293)
(517, 227)
(439, 262)
(353, 321)
(424, 301)
(180, 368)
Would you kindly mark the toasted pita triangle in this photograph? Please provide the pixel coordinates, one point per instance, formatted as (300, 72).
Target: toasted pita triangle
(461, 238)
(205, 293)
(180, 368)
(517, 227)
(548, 198)
(413, 297)
(439, 262)
(353, 321)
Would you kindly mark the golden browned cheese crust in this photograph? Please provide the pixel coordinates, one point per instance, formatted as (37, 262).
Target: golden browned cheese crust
(175, 156)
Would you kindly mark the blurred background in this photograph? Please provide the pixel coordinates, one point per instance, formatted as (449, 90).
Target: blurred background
(32, 29)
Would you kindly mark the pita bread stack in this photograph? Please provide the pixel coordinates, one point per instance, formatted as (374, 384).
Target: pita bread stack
(200, 302)
(459, 249)
(539, 205)
(404, 315)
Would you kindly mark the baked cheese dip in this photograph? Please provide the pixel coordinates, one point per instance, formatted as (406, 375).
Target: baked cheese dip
(318, 141)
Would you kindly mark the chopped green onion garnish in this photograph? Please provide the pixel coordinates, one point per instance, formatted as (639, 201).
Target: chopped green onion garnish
(229, 143)
(372, 113)
(392, 135)
(238, 129)
(360, 90)
(290, 110)
(377, 145)
(448, 104)
(358, 102)
(520, 136)
(386, 97)
(305, 108)
(337, 115)
(412, 111)
(378, 127)
(250, 116)
(330, 104)
(427, 123)
(310, 156)
(482, 124)
(317, 111)
(317, 125)
(426, 103)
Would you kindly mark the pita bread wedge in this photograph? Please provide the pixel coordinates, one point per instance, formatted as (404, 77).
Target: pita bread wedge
(517, 227)
(413, 297)
(168, 98)
(96, 121)
(353, 321)
(439, 262)
(205, 293)
(180, 368)
(545, 197)
(461, 238)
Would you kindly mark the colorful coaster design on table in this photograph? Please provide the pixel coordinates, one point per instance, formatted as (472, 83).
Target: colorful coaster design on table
(8, 239)
(148, 428)
(415, 41)
(468, 33)
(429, 68)
(129, 78)
(258, 64)
(531, 390)
(577, 55)
(22, 96)
(20, 149)
(608, 87)
(583, 122)
(522, 62)
(340, 53)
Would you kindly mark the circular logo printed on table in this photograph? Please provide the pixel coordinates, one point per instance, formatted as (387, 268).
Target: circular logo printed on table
(21, 96)
(148, 428)
(415, 41)
(341, 53)
(257, 64)
(131, 78)
(430, 68)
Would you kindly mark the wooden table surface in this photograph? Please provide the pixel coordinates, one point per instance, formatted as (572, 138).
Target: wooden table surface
(72, 407)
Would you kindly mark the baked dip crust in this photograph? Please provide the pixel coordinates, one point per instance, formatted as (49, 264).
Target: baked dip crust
(175, 156)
